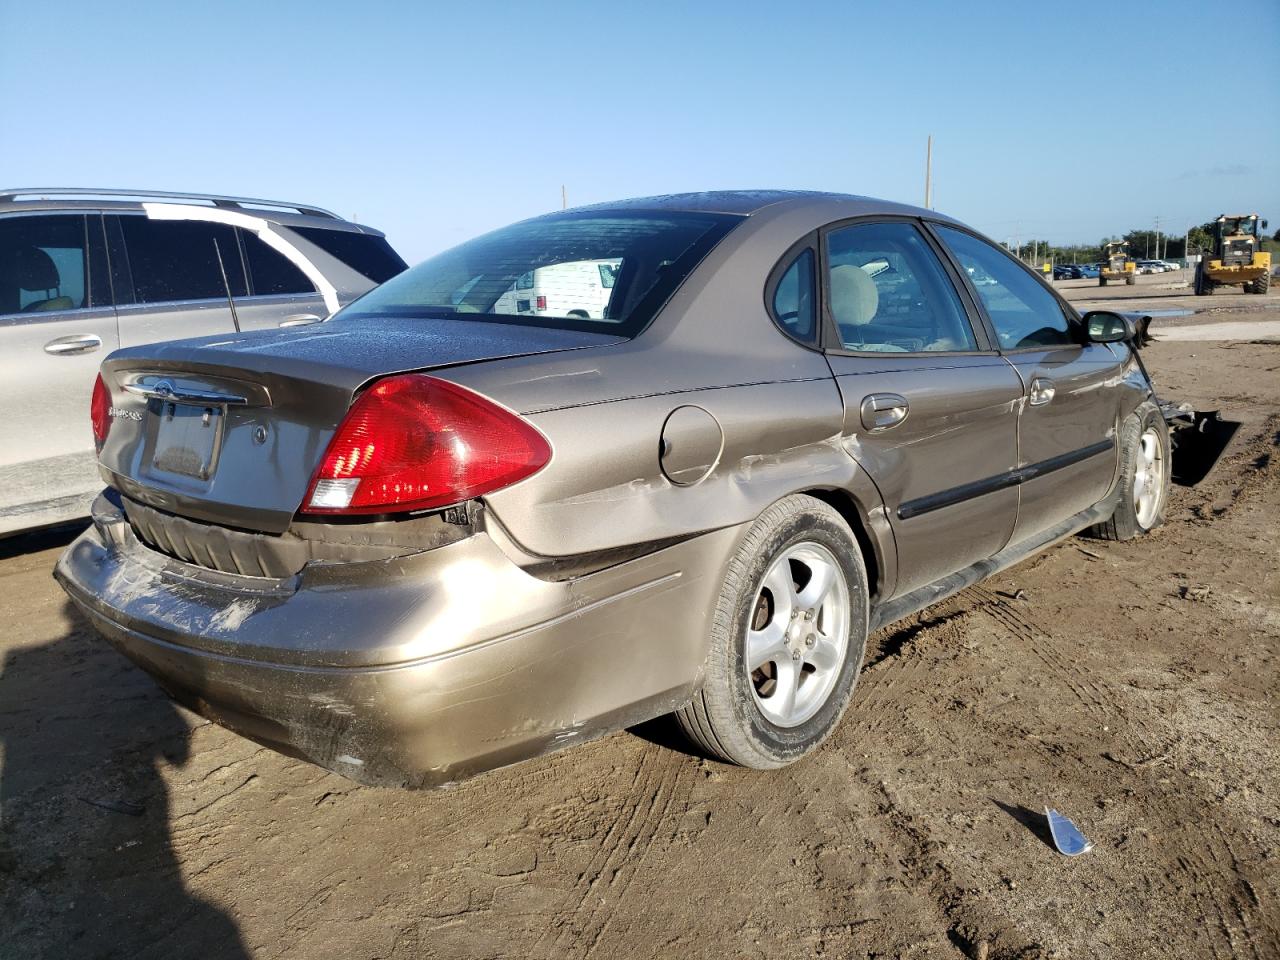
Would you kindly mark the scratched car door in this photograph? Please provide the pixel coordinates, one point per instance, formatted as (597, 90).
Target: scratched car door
(930, 408)
(1067, 428)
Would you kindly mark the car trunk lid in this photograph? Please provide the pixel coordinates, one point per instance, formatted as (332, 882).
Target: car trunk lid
(229, 430)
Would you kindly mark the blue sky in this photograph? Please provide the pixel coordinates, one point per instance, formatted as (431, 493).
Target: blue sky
(435, 122)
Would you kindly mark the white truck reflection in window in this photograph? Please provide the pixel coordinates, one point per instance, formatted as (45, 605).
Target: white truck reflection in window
(579, 288)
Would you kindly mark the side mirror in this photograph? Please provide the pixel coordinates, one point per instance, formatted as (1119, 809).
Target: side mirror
(1104, 326)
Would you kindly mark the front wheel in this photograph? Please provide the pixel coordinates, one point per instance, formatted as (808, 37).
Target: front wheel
(1145, 474)
(787, 639)
(1262, 284)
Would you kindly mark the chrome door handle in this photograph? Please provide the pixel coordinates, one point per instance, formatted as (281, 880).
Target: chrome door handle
(300, 320)
(1042, 391)
(77, 343)
(883, 411)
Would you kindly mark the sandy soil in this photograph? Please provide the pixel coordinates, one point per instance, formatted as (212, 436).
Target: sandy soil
(1131, 686)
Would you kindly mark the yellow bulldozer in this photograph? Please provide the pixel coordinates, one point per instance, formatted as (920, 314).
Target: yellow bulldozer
(1117, 265)
(1236, 258)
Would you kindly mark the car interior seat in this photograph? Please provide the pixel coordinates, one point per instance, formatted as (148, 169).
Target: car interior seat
(855, 300)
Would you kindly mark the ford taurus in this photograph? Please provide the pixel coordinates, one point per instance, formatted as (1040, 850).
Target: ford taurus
(481, 514)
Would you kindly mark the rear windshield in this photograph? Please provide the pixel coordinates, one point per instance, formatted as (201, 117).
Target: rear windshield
(364, 253)
(606, 272)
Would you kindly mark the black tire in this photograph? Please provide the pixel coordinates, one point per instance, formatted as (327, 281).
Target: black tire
(1130, 280)
(1261, 285)
(1125, 523)
(1197, 284)
(1102, 281)
(724, 718)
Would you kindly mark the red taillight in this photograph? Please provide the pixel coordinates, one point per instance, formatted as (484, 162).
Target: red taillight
(541, 303)
(100, 412)
(413, 442)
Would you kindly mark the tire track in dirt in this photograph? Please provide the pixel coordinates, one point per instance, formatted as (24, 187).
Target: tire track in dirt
(675, 786)
(583, 918)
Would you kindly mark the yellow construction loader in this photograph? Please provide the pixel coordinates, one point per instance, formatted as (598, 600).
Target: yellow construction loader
(1237, 258)
(1117, 264)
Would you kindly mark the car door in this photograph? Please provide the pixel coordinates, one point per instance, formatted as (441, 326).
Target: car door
(57, 323)
(169, 277)
(279, 293)
(930, 409)
(1067, 427)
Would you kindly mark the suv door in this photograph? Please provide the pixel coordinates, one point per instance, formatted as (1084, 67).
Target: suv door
(168, 280)
(1069, 420)
(174, 283)
(57, 323)
(930, 407)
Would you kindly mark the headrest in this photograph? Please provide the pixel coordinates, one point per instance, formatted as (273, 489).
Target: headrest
(854, 297)
(32, 269)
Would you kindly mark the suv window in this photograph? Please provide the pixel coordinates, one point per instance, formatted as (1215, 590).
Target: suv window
(45, 265)
(890, 293)
(178, 260)
(362, 252)
(1023, 312)
(270, 272)
(793, 298)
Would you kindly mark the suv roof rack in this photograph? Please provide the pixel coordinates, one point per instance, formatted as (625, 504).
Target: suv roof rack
(217, 200)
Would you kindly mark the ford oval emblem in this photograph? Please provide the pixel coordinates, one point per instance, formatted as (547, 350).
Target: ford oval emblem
(163, 388)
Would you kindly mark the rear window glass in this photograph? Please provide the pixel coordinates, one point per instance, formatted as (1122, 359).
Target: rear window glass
(364, 253)
(593, 271)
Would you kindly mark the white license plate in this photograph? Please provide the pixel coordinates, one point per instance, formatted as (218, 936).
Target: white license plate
(187, 439)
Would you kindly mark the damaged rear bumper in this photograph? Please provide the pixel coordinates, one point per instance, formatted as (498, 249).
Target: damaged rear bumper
(417, 670)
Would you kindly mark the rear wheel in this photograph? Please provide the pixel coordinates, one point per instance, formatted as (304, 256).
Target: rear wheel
(788, 635)
(1130, 280)
(1102, 281)
(1145, 473)
(1204, 286)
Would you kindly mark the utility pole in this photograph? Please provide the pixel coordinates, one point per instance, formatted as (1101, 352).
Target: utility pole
(564, 198)
(1157, 236)
(928, 173)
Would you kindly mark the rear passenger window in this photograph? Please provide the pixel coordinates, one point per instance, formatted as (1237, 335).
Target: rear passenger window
(889, 292)
(178, 259)
(793, 299)
(1024, 313)
(270, 272)
(44, 265)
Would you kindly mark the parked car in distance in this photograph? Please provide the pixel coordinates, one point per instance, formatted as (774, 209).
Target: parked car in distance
(83, 272)
(438, 537)
(1170, 265)
(1065, 271)
(580, 289)
(1088, 271)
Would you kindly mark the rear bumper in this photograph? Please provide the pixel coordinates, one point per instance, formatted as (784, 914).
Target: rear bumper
(416, 671)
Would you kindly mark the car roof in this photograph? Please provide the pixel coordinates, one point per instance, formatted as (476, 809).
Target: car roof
(748, 202)
(85, 199)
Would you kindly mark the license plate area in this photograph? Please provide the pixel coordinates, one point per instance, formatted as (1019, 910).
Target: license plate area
(187, 438)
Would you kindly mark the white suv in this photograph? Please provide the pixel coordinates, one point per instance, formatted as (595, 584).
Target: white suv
(83, 272)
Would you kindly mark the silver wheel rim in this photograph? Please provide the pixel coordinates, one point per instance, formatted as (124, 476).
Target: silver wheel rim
(797, 634)
(1148, 478)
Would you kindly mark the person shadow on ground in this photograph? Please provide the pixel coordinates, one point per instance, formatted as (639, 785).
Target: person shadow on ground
(88, 866)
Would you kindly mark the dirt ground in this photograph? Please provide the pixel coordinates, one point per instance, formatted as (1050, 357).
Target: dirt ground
(1131, 686)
